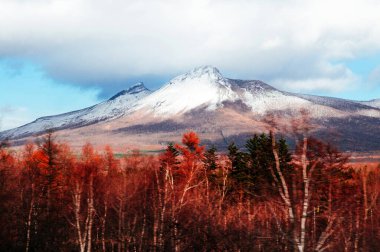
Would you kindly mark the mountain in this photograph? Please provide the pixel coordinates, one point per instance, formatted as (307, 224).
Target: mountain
(373, 103)
(219, 108)
(203, 86)
(115, 107)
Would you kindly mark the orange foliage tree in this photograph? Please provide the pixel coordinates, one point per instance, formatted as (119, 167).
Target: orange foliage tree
(185, 199)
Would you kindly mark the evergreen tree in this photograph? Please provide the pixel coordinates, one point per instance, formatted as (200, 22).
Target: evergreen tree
(170, 157)
(241, 173)
(210, 159)
(261, 159)
(48, 154)
(285, 156)
(210, 164)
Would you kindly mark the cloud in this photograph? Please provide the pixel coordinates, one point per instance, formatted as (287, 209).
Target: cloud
(11, 117)
(291, 43)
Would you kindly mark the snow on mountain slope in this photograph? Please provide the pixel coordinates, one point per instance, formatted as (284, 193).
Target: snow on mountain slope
(373, 103)
(203, 86)
(273, 100)
(263, 98)
(337, 103)
(110, 109)
(349, 106)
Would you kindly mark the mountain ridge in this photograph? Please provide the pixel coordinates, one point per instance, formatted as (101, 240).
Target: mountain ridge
(227, 103)
(106, 110)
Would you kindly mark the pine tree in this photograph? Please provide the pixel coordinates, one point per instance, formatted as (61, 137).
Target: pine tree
(261, 159)
(170, 157)
(47, 156)
(211, 159)
(241, 173)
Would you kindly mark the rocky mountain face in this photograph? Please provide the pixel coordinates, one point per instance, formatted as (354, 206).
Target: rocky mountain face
(220, 108)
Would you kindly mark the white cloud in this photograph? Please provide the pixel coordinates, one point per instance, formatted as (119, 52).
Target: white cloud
(328, 84)
(284, 42)
(11, 117)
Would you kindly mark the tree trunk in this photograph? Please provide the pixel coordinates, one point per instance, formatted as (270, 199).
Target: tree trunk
(104, 224)
(29, 222)
(365, 204)
(283, 190)
(90, 212)
(77, 206)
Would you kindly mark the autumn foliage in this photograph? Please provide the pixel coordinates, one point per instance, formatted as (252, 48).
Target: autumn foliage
(258, 197)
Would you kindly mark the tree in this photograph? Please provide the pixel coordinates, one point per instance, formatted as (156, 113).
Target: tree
(261, 158)
(190, 199)
(9, 201)
(47, 155)
(31, 179)
(313, 162)
(82, 187)
(211, 159)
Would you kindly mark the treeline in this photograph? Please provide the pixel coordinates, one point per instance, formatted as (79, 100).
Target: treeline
(259, 198)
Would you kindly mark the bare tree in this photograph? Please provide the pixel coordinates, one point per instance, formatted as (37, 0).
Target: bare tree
(310, 155)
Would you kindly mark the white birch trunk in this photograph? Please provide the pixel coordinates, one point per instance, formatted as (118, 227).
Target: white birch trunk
(29, 222)
(77, 195)
(283, 189)
(91, 211)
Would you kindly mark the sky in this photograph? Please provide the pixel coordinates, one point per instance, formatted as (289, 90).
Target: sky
(61, 55)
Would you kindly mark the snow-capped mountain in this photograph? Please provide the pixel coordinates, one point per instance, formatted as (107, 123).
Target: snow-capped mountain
(203, 86)
(205, 100)
(113, 108)
(206, 87)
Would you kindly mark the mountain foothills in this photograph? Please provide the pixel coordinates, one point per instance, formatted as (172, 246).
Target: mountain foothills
(220, 109)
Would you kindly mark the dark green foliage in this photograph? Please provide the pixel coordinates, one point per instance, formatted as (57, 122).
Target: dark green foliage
(211, 159)
(240, 173)
(261, 158)
(284, 154)
(251, 169)
(211, 164)
(238, 158)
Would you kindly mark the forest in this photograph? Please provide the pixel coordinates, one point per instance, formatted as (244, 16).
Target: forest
(260, 197)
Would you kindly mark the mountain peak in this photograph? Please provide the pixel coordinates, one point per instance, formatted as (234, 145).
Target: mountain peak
(207, 71)
(134, 89)
(202, 86)
(137, 88)
(202, 70)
